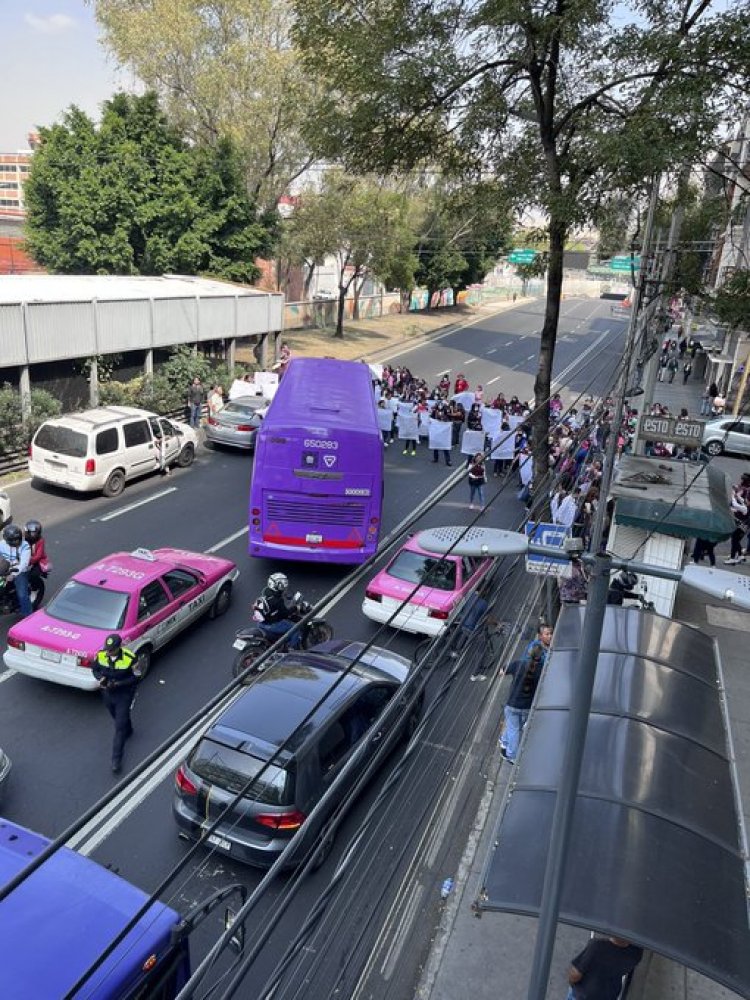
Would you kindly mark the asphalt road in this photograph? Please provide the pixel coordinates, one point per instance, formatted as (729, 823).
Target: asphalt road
(59, 739)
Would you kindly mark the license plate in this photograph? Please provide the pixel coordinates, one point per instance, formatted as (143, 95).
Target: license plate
(51, 655)
(313, 538)
(225, 845)
(238, 644)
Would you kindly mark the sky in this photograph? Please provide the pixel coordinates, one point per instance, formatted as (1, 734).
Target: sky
(52, 58)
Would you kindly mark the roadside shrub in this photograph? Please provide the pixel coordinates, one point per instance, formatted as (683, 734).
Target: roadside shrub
(14, 436)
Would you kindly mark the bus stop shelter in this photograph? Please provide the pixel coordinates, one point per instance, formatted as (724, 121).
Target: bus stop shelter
(658, 851)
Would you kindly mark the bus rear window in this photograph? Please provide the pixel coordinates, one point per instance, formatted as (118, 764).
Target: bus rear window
(232, 770)
(61, 440)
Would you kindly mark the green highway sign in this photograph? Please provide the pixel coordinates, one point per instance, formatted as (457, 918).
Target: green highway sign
(624, 263)
(522, 256)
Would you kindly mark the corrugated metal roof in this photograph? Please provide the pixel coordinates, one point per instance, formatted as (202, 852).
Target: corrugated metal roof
(657, 851)
(15, 288)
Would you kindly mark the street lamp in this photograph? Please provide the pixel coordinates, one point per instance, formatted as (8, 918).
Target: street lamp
(732, 587)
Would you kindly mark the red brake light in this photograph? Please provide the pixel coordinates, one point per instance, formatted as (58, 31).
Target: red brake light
(90, 466)
(84, 661)
(31, 450)
(255, 511)
(16, 643)
(374, 596)
(213, 421)
(434, 613)
(244, 427)
(183, 783)
(282, 821)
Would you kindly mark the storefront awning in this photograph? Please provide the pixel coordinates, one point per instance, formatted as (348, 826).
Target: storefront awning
(682, 499)
(657, 849)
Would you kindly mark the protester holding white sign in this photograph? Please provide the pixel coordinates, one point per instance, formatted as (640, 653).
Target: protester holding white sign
(441, 433)
(408, 432)
(503, 449)
(472, 442)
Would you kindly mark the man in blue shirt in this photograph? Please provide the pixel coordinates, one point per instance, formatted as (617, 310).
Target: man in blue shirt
(18, 553)
(525, 673)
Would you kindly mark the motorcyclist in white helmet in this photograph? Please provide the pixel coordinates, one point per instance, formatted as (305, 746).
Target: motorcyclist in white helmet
(273, 611)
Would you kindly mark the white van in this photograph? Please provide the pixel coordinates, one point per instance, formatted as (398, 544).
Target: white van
(101, 449)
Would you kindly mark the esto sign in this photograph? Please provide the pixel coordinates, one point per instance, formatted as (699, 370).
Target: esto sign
(673, 430)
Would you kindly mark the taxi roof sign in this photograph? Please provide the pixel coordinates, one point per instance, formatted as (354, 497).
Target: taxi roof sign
(145, 554)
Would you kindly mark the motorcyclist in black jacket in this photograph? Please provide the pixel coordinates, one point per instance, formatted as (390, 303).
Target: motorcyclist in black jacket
(275, 613)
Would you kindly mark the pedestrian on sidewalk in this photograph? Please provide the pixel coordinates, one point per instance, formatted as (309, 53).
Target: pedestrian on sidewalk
(663, 361)
(525, 673)
(740, 508)
(703, 548)
(195, 401)
(705, 402)
(672, 366)
(686, 369)
(597, 972)
(477, 479)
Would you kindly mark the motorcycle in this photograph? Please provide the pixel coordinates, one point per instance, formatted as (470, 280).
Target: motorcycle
(8, 595)
(252, 641)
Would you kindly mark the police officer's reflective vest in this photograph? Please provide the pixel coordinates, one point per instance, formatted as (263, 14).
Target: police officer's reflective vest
(124, 661)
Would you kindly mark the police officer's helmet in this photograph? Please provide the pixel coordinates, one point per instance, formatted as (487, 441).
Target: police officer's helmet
(113, 643)
(626, 579)
(32, 531)
(277, 581)
(13, 535)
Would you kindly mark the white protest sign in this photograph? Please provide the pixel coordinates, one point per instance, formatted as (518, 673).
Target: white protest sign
(268, 383)
(502, 445)
(241, 388)
(472, 442)
(405, 409)
(385, 418)
(440, 435)
(408, 427)
(465, 399)
(491, 420)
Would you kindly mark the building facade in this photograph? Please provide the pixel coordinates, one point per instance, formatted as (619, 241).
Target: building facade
(14, 170)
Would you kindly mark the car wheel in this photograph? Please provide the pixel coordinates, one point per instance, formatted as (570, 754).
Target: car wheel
(246, 660)
(115, 484)
(221, 602)
(714, 448)
(144, 661)
(186, 456)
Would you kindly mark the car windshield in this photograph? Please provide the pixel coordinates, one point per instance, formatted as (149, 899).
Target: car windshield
(61, 440)
(415, 568)
(93, 607)
(232, 770)
(244, 409)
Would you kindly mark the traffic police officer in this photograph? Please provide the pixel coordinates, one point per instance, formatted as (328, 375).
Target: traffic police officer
(116, 669)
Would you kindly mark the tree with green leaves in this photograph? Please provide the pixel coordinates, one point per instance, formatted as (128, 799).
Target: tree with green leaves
(222, 69)
(131, 196)
(363, 224)
(562, 101)
(731, 301)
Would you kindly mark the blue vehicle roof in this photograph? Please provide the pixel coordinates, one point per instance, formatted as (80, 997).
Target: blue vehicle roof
(63, 916)
(325, 392)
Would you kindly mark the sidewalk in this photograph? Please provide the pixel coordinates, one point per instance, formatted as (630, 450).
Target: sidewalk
(490, 957)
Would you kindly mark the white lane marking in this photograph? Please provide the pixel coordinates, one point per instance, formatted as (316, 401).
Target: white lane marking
(229, 539)
(470, 361)
(448, 333)
(508, 344)
(134, 506)
(575, 364)
(531, 357)
(7, 674)
(492, 350)
(493, 380)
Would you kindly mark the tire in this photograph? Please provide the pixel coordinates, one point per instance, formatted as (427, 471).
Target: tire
(187, 456)
(714, 448)
(317, 632)
(245, 660)
(144, 660)
(221, 602)
(115, 484)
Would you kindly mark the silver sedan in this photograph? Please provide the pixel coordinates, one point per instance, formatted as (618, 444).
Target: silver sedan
(237, 423)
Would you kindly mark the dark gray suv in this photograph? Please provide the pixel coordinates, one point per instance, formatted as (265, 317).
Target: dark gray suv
(269, 715)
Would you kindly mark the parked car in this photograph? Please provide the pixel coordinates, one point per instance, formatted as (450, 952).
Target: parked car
(103, 448)
(146, 597)
(237, 423)
(446, 582)
(730, 434)
(270, 720)
(6, 509)
(5, 767)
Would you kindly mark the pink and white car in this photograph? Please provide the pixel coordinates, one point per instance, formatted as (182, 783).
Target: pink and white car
(147, 597)
(430, 609)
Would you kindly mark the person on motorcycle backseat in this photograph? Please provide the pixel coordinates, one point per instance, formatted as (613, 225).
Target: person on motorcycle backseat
(38, 563)
(275, 611)
(621, 587)
(18, 553)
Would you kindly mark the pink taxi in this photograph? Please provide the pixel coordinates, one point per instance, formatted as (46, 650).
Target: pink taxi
(428, 609)
(147, 597)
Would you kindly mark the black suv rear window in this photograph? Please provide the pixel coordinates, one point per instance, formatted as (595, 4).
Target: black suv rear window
(61, 440)
(232, 769)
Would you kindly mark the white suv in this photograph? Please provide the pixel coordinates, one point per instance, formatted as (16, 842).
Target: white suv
(101, 449)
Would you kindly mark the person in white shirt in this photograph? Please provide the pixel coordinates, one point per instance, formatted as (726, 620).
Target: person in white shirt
(563, 508)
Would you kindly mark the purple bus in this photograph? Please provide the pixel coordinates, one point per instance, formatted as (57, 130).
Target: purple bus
(317, 489)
